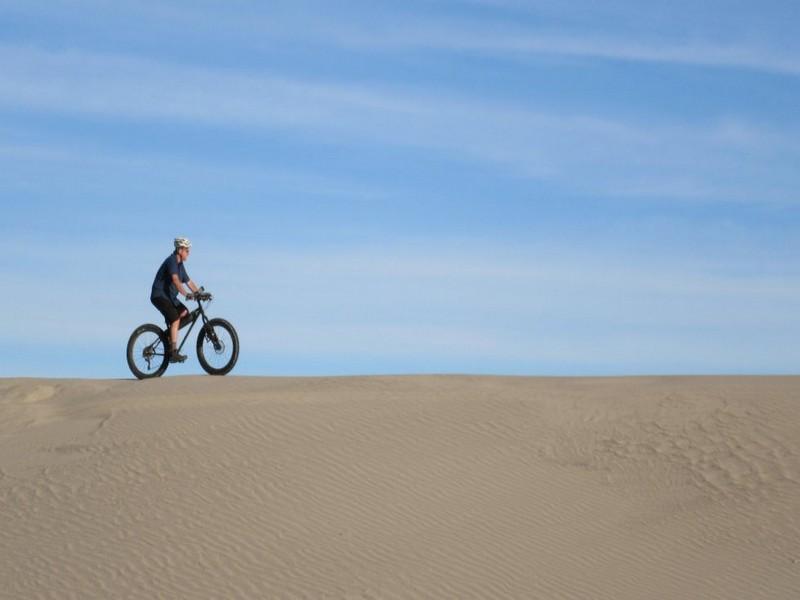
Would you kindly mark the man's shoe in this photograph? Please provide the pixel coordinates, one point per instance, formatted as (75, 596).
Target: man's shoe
(176, 357)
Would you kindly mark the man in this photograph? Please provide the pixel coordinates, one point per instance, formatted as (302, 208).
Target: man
(168, 283)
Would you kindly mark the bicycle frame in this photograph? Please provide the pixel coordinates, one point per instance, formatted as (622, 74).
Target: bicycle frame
(193, 315)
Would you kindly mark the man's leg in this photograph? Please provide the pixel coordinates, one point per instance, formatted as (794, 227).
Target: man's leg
(175, 325)
(172, 316)
(173, 335)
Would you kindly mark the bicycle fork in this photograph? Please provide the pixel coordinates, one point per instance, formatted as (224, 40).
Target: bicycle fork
(211, 335)
(209, 331)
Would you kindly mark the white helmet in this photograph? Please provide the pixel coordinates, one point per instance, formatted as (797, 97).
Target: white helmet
(182, 243)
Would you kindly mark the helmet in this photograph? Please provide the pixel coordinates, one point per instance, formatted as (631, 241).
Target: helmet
(182, 243)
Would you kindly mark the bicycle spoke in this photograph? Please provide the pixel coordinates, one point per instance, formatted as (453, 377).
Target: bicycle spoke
(146, 352)
(146, 356)
(218, 347)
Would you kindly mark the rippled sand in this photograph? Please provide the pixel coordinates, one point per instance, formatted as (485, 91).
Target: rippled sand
(400, 487)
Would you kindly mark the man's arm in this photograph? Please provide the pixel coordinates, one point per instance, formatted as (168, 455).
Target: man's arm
(179, 286)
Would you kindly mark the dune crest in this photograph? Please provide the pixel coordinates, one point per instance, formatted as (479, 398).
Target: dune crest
(401, 487)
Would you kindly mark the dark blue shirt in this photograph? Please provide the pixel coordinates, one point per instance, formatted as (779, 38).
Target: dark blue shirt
(162, 284)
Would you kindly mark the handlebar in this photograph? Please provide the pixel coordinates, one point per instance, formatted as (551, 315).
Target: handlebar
(199, 296)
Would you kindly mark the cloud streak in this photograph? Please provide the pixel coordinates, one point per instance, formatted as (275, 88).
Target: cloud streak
(694, 54)
(719, 36)
(516, 43)
(499, 32)
(529, 143)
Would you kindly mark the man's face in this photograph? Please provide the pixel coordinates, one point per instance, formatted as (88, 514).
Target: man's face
(183, 253)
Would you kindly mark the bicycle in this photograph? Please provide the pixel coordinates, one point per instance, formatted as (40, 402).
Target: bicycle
(217, 343)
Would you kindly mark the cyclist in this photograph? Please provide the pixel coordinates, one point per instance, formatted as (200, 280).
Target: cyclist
(168, 283)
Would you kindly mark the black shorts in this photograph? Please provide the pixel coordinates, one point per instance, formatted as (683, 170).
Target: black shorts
(171, 312)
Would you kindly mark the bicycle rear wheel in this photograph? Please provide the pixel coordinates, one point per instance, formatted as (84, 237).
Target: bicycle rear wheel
(147, 352)
(217, 347)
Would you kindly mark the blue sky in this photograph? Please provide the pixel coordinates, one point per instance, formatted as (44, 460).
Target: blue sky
(482, 186)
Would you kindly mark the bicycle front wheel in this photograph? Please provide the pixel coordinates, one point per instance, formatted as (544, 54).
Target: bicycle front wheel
(217, 347)
(147, 352)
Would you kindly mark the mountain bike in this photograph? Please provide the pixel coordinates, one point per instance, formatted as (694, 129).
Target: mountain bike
(217, 343)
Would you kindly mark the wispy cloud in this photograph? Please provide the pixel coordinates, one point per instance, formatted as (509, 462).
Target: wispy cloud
(58, 158)
(497, 33)
(547, 32)
(702, 54)
(539, 144)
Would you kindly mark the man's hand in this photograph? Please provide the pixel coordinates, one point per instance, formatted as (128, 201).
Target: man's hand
(194, 290)
(199, 295)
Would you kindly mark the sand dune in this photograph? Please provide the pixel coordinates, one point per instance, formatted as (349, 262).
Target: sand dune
(400, 487)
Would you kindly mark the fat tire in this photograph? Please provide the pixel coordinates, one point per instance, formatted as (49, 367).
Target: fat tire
(201, 337)
(149, 327)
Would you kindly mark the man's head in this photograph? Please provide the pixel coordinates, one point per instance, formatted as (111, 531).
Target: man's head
(182, 247)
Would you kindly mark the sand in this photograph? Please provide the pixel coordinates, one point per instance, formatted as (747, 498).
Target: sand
(400, 487)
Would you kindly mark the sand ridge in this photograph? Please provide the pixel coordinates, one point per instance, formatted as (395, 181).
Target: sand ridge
(401, 487)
